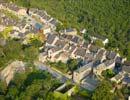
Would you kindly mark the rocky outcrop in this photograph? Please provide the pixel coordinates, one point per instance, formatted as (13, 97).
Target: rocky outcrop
(8, 73)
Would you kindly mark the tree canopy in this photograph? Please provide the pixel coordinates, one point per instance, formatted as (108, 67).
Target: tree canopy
(103, 92)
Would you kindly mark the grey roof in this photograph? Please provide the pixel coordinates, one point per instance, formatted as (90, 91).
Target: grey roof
(69, 37)
(87, 60)
(126, 79)
(110, 55)
(46, 17)
(56, 49)
(50, 38)
(2, 1)
(64, 35)
(72, 48)
(34, 10)
(8, 21)
(127, 63)
(21, 24)
(21, 34)
(39, 12)
(75, 39)
(92, 79)
(118, 60)
(118, 76)
(93, 48)
(67, 48)
(69, 30)
(13, 7)
(100, 54)
(54, 22)
(126, 69)
(60, 44)
(85, 44)
(80, 52)
(89, 56)
(96, 63)
(86, 67)
(108, 62)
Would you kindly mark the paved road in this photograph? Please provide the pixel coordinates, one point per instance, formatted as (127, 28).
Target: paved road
(53, 72)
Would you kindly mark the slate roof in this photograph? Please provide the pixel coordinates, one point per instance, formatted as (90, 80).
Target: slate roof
(126, 69)
(72, 48)
(126, 79)
(46, 17)
(2, 1)
(118, 60)
(67, 48)
(93, 48)
(64, 35)
(96, 63)
(110, 55)
(89, 56)
(70, 30)
(80, 52)
(55, 49)
(8, 21)
(118, 76)
(69, 37)
(13, 6)
(86, 67)
(85, 44)
(75, 39)
(39, 12)
(60, 44)
(127, 63)
(50, 38)
(100, 54)
(53, 22)
(108, 62)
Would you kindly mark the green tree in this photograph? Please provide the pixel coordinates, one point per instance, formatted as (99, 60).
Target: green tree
(86, 37)
(99, 43)
(109, 73)
(72, 65)
(128, 50)
(3, 87)
(103, 92)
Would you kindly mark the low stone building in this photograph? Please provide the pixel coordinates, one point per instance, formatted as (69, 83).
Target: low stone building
(118, 78)
(82, 72)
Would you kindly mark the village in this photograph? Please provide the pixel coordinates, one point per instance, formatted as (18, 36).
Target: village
(64, 45)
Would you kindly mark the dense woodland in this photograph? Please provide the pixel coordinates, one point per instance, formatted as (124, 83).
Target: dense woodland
(109, 18)
(34, 85)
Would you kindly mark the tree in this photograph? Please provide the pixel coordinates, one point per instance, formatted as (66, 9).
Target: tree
(103, 92)
(12, 93)
(3, 87)
(99, 43)
(72, 65)
(86, 37)
(128, 51)
(31, 54)
(59, 27)
(109, 73)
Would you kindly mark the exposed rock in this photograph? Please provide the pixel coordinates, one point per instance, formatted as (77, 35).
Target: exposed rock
(8, 73)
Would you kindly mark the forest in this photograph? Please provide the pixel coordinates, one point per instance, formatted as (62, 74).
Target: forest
(109, 18)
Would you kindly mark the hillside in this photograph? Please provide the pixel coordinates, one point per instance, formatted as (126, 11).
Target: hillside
(108, 18)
